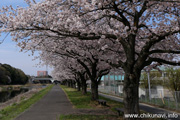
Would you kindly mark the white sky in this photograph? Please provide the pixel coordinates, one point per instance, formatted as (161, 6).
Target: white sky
(9, 52)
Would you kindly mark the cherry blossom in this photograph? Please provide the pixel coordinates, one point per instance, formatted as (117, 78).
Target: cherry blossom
(132, 33)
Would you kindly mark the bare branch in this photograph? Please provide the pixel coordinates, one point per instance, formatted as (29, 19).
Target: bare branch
(4, 38)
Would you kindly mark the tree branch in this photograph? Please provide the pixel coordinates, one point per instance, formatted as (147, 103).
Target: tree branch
(166, 1)
(164, 51)
(102, 73)
(86, 68)
(124, 20)
(161, 61)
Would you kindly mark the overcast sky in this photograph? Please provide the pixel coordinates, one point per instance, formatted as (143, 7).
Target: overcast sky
(9, 52)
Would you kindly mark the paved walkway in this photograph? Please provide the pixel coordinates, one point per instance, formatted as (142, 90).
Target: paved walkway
(49, 107)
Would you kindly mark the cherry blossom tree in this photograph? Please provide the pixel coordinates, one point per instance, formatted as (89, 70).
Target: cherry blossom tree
(66, 68)
(88, 54)
(144, 32)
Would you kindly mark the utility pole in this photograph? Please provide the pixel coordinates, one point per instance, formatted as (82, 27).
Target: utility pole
(47, 68)
(149, 85)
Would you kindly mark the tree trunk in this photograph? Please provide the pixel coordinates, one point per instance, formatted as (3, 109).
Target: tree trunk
(94, 90)
(131, 94)
(84, 88)
(92, 74)
(69, 85)
(74, 84)
(83, 83)
(78, 85)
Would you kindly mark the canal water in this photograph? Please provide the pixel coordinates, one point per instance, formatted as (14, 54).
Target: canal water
(9, 94)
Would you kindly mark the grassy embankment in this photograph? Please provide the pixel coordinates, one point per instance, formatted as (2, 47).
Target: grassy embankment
(84, 101)
(14, 110)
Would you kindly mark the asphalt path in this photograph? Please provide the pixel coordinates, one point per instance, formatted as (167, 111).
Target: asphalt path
(171, 115)
(49, 107)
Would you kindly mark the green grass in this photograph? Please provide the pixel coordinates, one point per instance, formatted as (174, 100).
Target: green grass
(87, 117)
(77, 99)
(84, 101)
(14, 110)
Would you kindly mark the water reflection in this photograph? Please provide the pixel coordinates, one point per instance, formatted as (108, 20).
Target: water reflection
(6, 95)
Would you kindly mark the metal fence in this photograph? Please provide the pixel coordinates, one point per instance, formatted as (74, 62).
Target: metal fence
(113, 90)
(159, 96)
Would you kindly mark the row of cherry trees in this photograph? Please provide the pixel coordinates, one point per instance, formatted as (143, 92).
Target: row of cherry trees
(75, 59)
(92, 36)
